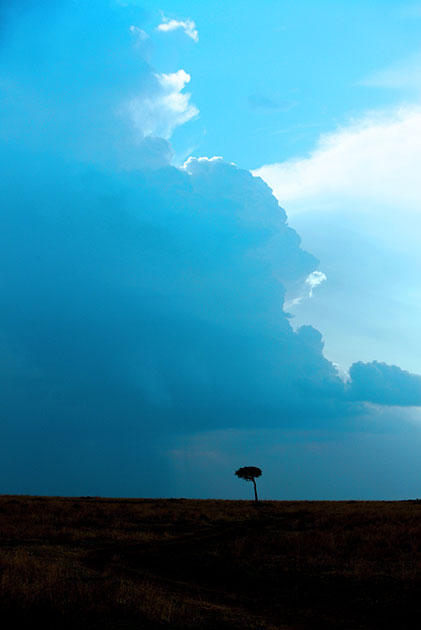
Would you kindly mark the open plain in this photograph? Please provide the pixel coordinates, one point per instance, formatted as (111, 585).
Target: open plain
(91, 563)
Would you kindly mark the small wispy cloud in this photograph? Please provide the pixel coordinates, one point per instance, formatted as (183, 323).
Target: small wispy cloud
(139, 34)
(188, 26)
(141, 41)
(165, 108)
(311, 282)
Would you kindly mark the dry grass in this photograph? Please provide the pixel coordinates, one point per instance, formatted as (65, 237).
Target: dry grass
(59, 586)
(102, 563)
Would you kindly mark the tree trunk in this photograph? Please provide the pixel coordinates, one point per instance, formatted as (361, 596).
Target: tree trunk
(255, 490)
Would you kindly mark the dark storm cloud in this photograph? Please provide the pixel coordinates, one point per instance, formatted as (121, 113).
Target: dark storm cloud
(141, 298)
(384, 384)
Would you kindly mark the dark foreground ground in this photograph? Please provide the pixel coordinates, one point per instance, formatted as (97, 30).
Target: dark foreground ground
(115, 563)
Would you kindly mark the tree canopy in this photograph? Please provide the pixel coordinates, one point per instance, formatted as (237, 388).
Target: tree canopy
(250, 473)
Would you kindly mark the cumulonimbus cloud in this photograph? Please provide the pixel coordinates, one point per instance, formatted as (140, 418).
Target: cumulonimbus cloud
(138, 301)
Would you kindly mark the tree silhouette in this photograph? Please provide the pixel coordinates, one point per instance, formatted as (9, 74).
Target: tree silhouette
(249, 473)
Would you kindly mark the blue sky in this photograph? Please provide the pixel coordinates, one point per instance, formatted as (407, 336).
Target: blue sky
(269, 80)
(163, 319)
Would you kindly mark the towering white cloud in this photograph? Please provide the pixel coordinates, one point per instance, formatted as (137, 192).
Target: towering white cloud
(356, 201)
(374, 159)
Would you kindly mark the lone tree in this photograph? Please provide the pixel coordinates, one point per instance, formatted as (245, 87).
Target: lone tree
(249, 473)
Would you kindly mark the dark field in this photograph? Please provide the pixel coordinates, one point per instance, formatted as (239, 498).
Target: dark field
(116, 563)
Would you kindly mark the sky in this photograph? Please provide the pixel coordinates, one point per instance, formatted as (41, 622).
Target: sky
(209, 248)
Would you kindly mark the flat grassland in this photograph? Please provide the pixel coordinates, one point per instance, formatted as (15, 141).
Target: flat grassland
(176, 563)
